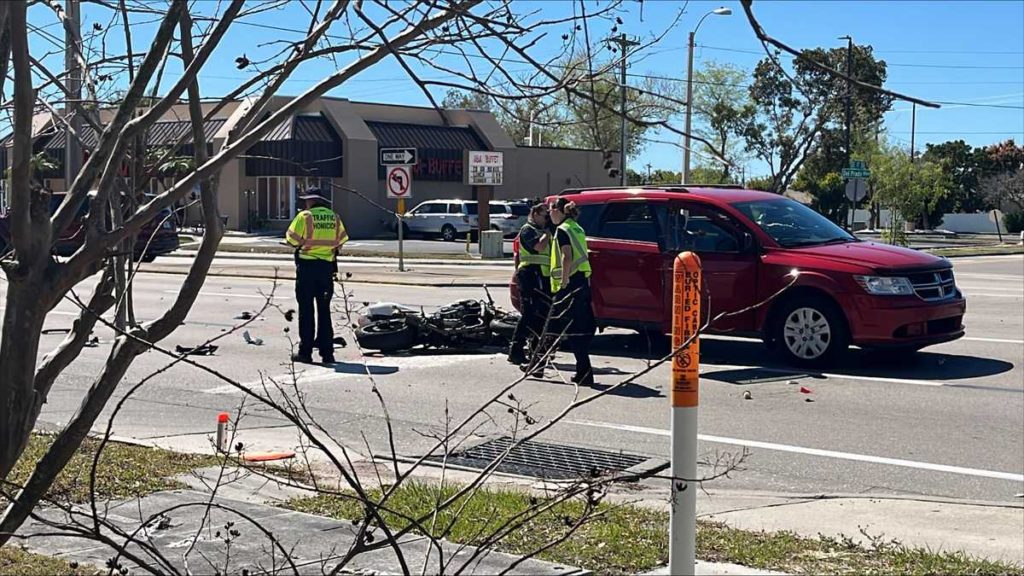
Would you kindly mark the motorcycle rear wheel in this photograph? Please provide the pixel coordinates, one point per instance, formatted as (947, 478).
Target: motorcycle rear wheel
(386, 336)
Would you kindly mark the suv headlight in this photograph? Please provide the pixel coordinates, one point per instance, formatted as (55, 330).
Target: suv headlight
(886, 285)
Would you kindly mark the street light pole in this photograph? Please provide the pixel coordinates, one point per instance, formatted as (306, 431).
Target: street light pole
(723, 11)
(624, 44)
(850, 205)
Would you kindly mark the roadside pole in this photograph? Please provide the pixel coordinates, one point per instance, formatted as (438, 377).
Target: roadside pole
(686, 291)
(401, 233)
(398, 166)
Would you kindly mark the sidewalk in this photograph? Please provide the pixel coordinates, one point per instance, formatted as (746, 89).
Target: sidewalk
(989, 530)
(172, 522)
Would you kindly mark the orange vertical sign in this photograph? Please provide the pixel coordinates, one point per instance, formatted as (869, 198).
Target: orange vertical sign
(686, 283)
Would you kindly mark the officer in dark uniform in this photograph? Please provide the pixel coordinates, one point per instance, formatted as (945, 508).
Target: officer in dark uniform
(532, 279)
(316, 233)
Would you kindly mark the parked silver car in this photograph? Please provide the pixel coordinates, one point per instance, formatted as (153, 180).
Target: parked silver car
(451, 219)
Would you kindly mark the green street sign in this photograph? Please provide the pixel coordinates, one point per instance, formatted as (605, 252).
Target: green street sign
(856, 173)
(857, 169)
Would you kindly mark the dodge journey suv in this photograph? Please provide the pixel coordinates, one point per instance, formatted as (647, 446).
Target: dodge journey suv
(847, 291)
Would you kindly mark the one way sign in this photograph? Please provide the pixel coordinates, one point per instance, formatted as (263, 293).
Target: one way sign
(397, 156)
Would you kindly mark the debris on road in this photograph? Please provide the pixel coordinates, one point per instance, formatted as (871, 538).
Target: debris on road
(804, 390)
(250, 340)
(747, 395)
(204, 350)
(244, 316)
(56, 331)
(92, 342)
(289, 315)
(339, 341)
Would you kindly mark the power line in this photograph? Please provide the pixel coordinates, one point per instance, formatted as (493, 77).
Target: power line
(903, 65)
(976, 105)
(759, 52)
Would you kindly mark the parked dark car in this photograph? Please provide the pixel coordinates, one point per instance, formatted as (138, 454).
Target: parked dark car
(158, 237)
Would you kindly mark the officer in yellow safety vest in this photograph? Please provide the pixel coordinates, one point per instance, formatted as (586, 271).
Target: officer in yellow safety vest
(570, 284)
(532, 279)
(316, 233)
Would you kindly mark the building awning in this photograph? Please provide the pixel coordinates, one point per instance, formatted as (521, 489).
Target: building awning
(303, 145)
(440, 148)
(391, 135)
(163, 133)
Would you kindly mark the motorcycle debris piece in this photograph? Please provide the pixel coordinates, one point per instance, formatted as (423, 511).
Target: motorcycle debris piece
(747, 395)
(340, 341)
(92, 342)
(250, 340)
(204, 350)
(56, 331)
(289, 315)
(244, 316)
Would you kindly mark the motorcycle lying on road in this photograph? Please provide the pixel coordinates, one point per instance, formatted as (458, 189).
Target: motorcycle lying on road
(467, 324)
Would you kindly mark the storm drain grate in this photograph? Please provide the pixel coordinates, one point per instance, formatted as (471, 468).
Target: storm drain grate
(542, 460)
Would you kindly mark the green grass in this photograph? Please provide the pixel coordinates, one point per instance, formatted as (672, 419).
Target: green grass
(630, 540)
(978, 250)
(125, 470)
(17, 562)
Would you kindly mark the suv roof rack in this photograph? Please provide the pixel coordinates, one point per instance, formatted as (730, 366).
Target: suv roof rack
(683, 188)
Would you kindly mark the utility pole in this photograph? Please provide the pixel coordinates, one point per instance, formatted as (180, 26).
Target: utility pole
(624, 44)
(72, 149)
(849, 110)
(649, 174)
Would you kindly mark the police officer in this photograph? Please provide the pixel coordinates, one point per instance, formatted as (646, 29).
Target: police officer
(316, 233)
(532, 278)
(570, 284)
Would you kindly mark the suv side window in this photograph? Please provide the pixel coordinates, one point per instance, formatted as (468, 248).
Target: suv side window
(708, 230)
(635, 221)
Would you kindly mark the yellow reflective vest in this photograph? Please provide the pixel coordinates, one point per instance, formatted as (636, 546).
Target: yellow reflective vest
(580, 257)
(541, 259)
(317, 233)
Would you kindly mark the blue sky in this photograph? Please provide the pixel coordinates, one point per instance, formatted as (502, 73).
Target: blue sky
(970, 52)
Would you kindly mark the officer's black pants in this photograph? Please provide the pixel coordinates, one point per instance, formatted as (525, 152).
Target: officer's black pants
(534, 301)
(314, 286)
(576, 314)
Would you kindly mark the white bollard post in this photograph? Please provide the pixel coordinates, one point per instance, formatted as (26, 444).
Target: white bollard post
(685, 382)
(222, 432)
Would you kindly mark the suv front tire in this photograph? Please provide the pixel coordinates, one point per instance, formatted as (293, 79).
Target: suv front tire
(810, 331)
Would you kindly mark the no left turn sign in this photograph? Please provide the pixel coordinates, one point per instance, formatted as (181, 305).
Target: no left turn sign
(399, 182)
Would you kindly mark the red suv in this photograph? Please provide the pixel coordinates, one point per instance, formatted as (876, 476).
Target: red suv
(847, 291)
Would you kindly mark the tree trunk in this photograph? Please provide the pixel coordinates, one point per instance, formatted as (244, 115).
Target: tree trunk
(24, 314)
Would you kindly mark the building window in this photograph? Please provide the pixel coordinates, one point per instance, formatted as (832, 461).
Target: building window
(275, 195)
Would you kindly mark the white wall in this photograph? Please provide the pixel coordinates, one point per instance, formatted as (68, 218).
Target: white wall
(981, 223)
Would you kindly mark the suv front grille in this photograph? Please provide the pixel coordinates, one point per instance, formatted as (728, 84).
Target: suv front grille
(933, 286)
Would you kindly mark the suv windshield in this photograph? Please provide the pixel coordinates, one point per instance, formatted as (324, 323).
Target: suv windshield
(792, 224)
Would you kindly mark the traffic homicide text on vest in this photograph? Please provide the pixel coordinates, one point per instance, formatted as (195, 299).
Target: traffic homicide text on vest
(316, 234)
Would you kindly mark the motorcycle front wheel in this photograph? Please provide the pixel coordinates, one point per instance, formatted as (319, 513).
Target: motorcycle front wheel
(386, 336)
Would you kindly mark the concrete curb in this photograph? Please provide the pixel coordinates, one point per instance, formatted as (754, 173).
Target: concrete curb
(351, 259)
(284, 276)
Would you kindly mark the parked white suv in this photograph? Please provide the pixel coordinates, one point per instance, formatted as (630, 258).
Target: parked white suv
(450, 219)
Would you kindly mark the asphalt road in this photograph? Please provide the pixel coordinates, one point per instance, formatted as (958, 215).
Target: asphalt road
(946, 422)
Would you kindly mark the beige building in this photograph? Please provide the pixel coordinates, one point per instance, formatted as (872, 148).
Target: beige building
(334, 144)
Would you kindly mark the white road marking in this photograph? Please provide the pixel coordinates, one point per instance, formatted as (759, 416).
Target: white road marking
(815, 452)
(230, 295)
(988, 276)
(987, 295)
(996, 340)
